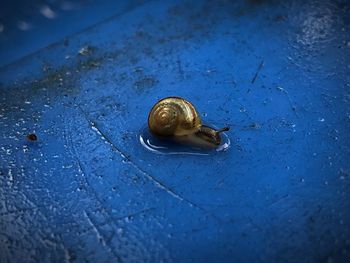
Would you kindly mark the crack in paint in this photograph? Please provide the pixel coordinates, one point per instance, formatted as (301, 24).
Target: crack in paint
(119, 218)
(100, 235)
(258, 71)
(151, 178)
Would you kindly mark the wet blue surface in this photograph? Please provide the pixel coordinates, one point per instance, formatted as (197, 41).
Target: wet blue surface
(86, 191)
(28, 26)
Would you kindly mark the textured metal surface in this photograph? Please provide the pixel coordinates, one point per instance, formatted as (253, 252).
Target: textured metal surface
(86, 191)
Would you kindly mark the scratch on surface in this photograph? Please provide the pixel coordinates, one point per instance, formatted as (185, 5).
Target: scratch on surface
(291, 104)
(179, 67)
(257, 71)
(126, 158)
(151, 178)
(67, 255)
(119, 218)
(95, 228)
(86, 182)
(146, 174)
(134, 213)
(81, 168)
(55, 245)
(279, 200)
(89, 189)
(100, 236)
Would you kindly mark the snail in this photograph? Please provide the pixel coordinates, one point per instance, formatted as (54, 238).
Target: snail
(175, 117)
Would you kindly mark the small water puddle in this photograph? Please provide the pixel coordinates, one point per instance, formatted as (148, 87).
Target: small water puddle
(179, 146)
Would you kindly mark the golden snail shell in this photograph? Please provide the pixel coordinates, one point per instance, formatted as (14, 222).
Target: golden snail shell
(174, 116)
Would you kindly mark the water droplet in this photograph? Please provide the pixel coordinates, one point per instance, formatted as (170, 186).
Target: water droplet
(24, 26)
(85, 51)
(47, 12)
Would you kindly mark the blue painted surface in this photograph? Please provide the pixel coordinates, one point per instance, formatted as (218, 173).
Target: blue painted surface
(87, 191)
(28, 26)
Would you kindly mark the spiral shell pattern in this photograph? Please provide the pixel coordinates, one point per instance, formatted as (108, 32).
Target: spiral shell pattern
(173, 116)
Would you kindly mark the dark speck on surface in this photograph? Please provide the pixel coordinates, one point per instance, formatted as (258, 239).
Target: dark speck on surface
(32, 137)
(280, 18)
(255, 126)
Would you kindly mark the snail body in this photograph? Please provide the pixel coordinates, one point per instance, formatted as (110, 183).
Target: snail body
(177, 118)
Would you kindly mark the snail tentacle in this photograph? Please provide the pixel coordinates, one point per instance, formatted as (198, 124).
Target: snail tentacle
(210, 134)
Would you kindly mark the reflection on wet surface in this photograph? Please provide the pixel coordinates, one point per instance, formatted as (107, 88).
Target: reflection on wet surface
(180, 146)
